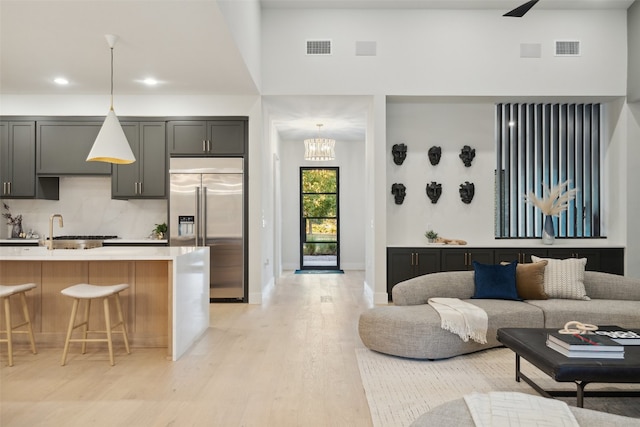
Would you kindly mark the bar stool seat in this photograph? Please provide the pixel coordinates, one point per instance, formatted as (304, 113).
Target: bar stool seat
(6, 292)
(89, 292)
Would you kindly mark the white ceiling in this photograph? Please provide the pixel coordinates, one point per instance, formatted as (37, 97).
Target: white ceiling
(186, 45)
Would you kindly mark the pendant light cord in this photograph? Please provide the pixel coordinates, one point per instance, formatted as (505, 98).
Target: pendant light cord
(111, 78)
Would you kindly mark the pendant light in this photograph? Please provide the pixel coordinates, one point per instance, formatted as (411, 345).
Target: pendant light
(319, 149)
(111, 145)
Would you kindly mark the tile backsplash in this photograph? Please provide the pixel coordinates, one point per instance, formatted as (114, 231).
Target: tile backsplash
(87, 208)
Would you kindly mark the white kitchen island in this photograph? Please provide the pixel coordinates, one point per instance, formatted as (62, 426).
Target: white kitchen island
(167, 304)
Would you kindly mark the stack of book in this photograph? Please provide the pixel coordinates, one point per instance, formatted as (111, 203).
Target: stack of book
(586, 346)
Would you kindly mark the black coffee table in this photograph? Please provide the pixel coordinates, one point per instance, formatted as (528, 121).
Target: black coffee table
(530, 344)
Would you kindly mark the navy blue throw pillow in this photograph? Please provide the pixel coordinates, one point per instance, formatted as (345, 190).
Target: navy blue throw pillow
(495, 281)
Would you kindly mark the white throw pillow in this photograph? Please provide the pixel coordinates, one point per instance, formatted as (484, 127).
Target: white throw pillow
(564, 278)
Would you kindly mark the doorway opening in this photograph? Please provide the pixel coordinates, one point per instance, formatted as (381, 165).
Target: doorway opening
(319, 218)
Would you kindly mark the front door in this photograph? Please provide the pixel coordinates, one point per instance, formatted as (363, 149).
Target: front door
(319, 219)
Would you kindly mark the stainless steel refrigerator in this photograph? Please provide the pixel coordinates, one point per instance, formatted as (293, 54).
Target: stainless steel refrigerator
(206, 208)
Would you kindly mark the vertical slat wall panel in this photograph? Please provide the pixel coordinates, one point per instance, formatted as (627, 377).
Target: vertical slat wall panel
(546, 145)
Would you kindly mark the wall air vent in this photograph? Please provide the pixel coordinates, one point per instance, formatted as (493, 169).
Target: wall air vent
(567, 48)
(318, 47)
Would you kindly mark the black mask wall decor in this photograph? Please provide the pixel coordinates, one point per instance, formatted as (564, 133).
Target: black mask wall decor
(467, 190)
(434, 155)
(434, 191)
(467, 154)
(399, 152)
(399, 191)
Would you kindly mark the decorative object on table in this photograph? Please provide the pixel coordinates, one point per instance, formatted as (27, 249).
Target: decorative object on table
(434, 191)
(160, 230)
(399, 152)
(555, 201)
(14, 222)
(431, 236)
(435, 153)
(467, 154)
(446, 241)
(575, 327)
(399, 192)
(620, 335)
(467, 191)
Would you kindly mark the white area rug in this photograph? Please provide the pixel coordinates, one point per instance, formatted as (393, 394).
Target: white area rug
(400, 390)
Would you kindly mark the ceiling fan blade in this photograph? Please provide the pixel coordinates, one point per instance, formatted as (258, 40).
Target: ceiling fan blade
(519, 11)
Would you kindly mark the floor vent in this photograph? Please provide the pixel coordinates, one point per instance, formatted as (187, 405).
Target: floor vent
(318, 47)
(567, 48)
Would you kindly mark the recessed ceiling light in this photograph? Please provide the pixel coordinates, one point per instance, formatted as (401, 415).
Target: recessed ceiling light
(61, 81)
(150, 81)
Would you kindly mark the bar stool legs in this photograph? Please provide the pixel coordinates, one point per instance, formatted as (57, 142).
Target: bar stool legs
(5, 294)
(89, 292)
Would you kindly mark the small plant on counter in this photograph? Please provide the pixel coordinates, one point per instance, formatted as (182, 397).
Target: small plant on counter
(15, 222)
(431, 236)
(160, 230)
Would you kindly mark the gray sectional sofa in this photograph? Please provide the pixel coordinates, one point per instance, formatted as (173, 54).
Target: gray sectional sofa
(411, 328)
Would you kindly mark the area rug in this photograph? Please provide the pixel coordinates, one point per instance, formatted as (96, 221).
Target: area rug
(399, 390)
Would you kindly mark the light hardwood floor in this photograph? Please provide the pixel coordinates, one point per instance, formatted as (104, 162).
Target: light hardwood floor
(288, 362)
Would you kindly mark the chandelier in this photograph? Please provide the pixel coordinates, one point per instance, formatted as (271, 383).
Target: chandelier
(319, 149)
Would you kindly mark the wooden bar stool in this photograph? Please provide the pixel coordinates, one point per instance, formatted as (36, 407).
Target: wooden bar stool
(87, 292)
(6, 292)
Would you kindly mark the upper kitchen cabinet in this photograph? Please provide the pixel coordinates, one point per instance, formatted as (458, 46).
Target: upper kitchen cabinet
(18, 159)
(147, 176)
(62, 148)
(207, 137)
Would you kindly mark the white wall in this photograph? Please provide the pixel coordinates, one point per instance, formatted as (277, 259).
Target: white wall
(420, 124)
(632, 194)
(350, 160)
(633, 51)
(443, 52)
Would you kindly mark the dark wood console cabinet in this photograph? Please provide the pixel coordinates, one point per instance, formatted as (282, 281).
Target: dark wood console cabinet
(404, 263)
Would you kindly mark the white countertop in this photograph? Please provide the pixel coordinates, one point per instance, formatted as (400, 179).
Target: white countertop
(520, 243)
(105, 253)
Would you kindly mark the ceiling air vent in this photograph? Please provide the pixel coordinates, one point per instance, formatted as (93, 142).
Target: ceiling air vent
(318, 47)
(567, 48)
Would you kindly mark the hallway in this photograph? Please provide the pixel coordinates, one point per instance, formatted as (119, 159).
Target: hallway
(288, 362)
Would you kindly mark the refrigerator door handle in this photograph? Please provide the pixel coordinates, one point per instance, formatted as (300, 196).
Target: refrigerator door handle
(204, 216)
(197, 216)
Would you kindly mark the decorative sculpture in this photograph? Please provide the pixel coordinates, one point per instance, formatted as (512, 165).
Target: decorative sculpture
(434, 191)
(467, 190)
(434, 155)
(399, 152)
(399, 191)
(467, 154)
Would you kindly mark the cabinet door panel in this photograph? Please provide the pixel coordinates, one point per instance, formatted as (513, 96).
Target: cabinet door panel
(227, 137)
(125, 177)
(426, 261)
(399, 266)
(63, 147)
(18, 159)
(187, 136)
(153, 167)
(454, 260)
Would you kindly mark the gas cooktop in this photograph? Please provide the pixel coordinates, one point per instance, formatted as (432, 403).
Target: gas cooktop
(84, 237)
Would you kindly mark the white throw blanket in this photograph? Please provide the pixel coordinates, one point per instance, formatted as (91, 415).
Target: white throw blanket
(497, 409)
(462, 318)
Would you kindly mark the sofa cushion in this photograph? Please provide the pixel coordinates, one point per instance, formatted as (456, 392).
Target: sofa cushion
(557, 312)
(564, 278)
(495, 281)
(530, 280)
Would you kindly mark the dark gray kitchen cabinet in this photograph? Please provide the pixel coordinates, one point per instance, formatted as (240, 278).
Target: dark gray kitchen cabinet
(406, 263)
(62, 148)
(207, 137)
(462, 259)
(18, 159)
(147, 176)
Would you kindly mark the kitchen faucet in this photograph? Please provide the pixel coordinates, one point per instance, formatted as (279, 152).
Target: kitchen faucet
(50, 243)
